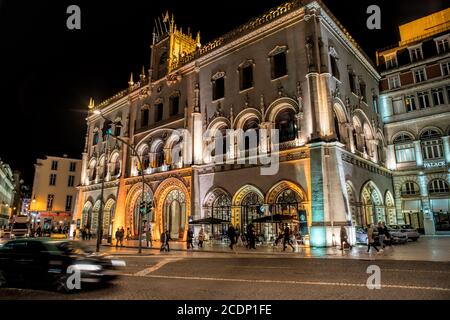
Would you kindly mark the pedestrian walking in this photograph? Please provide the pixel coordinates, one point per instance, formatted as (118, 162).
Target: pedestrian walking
(74, 234)
(251, 239)
(163, 242)
(128, 234)
(231, 235)
(118, 234)
(371, 239)
(344, 238)
(121, 236)
(201, 238)
(381, 233)
(167, 239)
(190, 238)
(287, 240)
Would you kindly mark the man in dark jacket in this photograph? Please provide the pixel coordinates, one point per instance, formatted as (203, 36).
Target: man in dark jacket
(231, 235)
(251, 236)
(287, 236)
(118, 235)
(190, 238)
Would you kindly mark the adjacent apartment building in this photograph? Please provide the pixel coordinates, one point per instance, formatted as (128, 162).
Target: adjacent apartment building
(296, 69)
(6, 194)
(54, 191)
(415, 110)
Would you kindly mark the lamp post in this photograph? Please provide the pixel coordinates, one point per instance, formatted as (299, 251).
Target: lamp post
(100, 212)
(98, 112)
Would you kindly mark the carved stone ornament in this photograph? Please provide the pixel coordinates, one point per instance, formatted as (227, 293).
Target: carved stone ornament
(218, 75)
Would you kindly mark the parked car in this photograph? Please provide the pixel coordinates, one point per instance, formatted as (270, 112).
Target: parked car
(397, 237)
(46, 262)
(411, 232)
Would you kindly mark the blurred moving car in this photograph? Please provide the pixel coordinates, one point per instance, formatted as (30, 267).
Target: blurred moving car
(412, 233)
(51, 263)
(397, 237)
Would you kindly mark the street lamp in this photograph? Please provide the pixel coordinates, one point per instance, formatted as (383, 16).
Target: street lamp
(133, 148)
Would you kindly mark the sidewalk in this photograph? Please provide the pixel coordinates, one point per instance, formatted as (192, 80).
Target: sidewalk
(436, 248)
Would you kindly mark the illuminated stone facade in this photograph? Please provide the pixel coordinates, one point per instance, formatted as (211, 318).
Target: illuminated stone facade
(295, 69)
(415, 109)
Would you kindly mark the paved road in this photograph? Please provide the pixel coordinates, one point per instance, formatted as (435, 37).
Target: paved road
(217, 277)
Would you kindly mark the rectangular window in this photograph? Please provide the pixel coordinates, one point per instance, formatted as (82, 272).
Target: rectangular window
(397, 105)
(438, 96)
(144, 117)
(71, 181)
(117, 131)
(279, 67)
(416, 54)
(219, 88)
(50, 198)
(442, 45)
(362, 91)
(73, 166)
(419, 75)
(424, 100)
(246, 77)
(52, 179)
(351, 80)
(445, 68)
(375, 104)
(394, 82)
(405, 153)
(54, 165)
(69, 203)
(174, 105)
(391, 61)
(410, 103)
(334, 67)
(432, 149)
(159, 112)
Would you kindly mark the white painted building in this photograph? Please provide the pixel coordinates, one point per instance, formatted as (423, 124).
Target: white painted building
(295, 69)
(6, 194)
(415, 109)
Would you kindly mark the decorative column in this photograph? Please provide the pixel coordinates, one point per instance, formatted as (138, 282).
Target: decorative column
(418, 151)
(428, 219)
(446, 142)
(351, 142)
(390, 157)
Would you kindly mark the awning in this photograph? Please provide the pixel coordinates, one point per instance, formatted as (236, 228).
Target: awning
(209, 220)
(276, 218)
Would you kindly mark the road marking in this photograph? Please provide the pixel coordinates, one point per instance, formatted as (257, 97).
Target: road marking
(155, 267)
(415, 271)
(313, 283)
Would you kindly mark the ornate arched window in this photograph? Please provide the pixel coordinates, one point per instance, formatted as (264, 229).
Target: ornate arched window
(431, 144)
(159, 155)
(286, 124)
(175, 213)
(404, 148)
(438, 186)
(410, 188)
(250, 127)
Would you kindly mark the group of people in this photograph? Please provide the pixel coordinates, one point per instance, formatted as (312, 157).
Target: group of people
(384, 238)
(190, 238)
(120, 234)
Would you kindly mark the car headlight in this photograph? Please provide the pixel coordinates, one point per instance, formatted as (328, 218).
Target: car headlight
(86, 267)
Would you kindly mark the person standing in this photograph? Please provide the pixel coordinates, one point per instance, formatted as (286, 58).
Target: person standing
(167, 239)
(251, 242)
(118, 234)
(370, 238)
(344, 238)
(201, 238)
(190, 238)
(122, 235)
(231, 235)
(381, 234)
(163, 241)
(287, 236)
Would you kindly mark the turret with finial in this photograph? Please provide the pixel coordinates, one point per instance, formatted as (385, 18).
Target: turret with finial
(91, 105)
(131, 82)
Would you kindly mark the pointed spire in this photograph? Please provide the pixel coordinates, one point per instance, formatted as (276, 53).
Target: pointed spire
(91, 104)
(131, 82)
(143, 76)
(166, 17)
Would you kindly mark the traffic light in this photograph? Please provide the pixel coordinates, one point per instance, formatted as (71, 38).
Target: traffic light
(142, 207)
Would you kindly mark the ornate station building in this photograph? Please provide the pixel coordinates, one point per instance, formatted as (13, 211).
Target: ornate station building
(295, 69)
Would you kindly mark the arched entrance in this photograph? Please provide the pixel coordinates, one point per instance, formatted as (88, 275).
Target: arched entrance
(133, 207)
(86, 215)
(390, 209)
(94, 218)
(108, 218)
(172, 203)
(217, 204)
(357, 220)
(287, 199)
(247, 205)
(372, 203)
(174, 218)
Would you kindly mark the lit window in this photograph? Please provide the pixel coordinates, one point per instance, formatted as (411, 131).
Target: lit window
(438, 96)
(391, 61)
(50, 198)
(419, 75)
(410, 102)
(410, 189)
(404, 149)
(394, 82)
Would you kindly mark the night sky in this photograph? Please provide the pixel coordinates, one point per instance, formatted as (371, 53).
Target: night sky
(48, 73)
